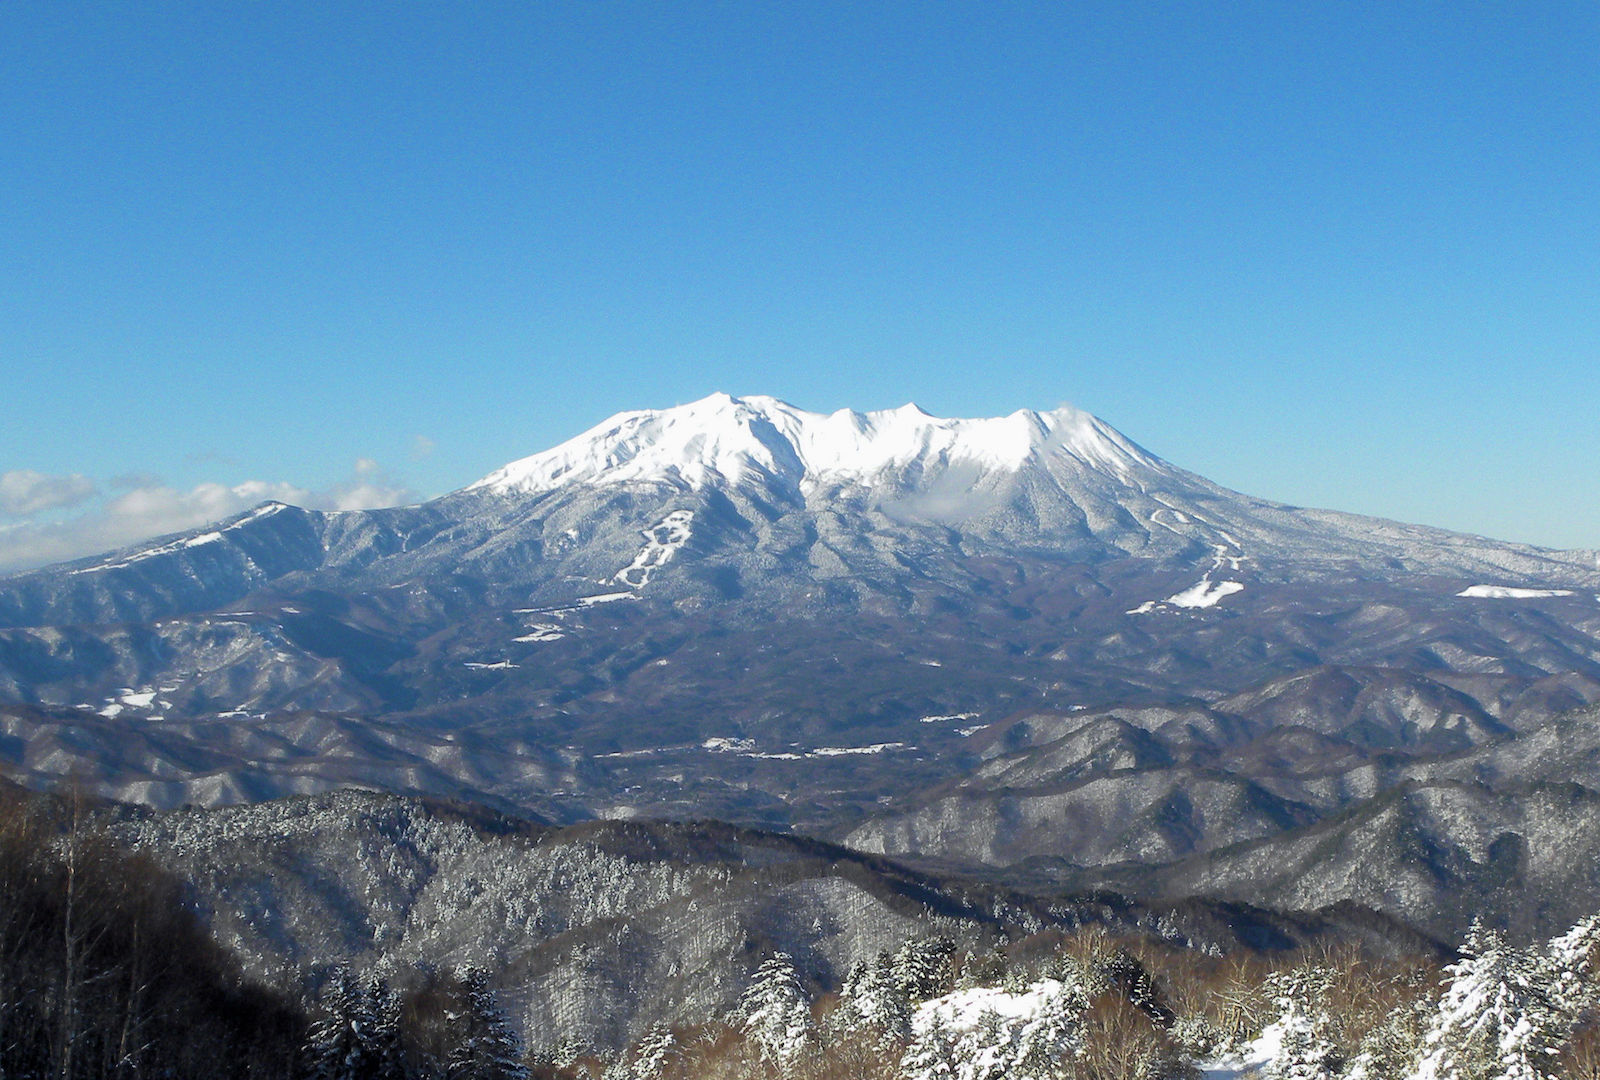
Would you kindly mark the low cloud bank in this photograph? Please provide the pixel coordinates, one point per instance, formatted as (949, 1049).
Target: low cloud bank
(36, 531)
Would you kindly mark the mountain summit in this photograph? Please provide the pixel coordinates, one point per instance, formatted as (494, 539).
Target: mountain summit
(737, 608)
(723, 440)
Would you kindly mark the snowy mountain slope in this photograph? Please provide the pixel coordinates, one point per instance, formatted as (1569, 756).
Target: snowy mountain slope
(769, 489)
(739, 609)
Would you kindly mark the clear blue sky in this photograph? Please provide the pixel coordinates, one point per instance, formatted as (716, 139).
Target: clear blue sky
(1343, 254)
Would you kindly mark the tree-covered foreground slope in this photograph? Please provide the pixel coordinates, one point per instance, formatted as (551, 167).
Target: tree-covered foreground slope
(600, 931)
(363, 937)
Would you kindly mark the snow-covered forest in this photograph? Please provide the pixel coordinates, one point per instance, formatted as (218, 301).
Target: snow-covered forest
(107, 970)
(1092, 1006)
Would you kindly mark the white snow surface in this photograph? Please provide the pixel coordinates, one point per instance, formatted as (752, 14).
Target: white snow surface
(965, 1010)
(539, 632)
(1506, 592)
(661, 542)
(719, 744)
(1204, 593)
(604, 598)
(1249, 1061)
(729, 439)
(843, 751)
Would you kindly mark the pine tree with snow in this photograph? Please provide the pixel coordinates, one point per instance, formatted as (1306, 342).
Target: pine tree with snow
(872, 1007)
(775, 1013)
(933, 1054)
(649, 1058)
(337, 1047)
(1053, 1034)
(1495, 1020)
(1389, 1049)
(1570, 965)
(486, 1046)
(1304, 1032)
(922, 968)
(385, 1052)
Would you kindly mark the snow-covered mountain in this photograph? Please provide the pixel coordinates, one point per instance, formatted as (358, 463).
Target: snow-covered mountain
(740, 609)
(725, 440)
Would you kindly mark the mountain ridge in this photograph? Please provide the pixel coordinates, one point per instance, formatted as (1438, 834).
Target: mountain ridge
(842, 625)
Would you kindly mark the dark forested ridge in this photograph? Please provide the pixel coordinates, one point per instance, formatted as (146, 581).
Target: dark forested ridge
(106, 972)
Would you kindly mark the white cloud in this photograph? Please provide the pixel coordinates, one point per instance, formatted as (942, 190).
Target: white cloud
(24, 492)
(154, 509)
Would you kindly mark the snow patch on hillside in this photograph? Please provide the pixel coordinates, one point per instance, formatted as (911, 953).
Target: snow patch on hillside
(1506, 592)
(541, 632)
(1248, 1062)
(662, 541)
(719, 744)
(841, 751)
(604, 598)
(128, 699)
(1204, 593)
(968, 1010)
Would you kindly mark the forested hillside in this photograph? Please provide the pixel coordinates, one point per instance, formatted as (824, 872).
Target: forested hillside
(141, 945)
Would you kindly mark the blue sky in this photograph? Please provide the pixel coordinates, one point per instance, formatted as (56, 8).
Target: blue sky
(1343, 255)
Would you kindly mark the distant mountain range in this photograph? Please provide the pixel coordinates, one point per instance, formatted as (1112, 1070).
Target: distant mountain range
(1021, 646)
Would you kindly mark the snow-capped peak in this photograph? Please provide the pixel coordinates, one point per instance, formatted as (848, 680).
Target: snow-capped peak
(723, 439)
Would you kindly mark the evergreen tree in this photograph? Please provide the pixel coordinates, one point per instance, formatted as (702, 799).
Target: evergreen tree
(774, 1012)
(1054, 1033)
(1306, 1048)
(1569, 969)
(872, 1006)
(933, 1053)
(385, 1047)
(336, 1049)
(1495, 1020)
(649, 1058)
(1389, 1050)
(486, 1046)
(922, 968)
